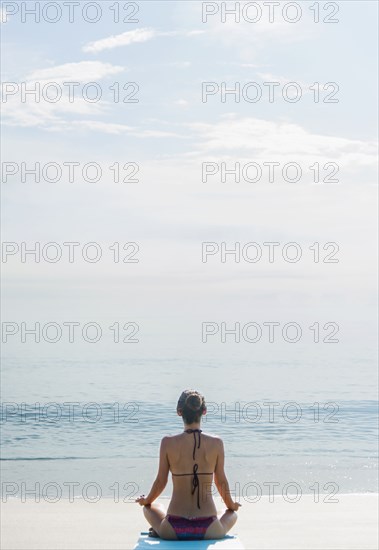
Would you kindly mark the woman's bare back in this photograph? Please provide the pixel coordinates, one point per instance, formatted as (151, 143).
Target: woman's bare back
(181, 450)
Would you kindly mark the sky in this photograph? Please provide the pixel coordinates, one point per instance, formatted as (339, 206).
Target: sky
(166, 55)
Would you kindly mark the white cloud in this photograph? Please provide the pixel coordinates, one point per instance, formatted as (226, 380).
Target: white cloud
(132, 37)
(261, 138)
(182, 103)
(47, 115)
(52, 114)
(81, 71)
(250, 39)
(118, 129)
(104, 127)
(124, 39)
(158, 134)
(51, 117)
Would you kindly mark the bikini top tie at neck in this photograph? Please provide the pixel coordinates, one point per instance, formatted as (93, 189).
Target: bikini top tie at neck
(194, 432)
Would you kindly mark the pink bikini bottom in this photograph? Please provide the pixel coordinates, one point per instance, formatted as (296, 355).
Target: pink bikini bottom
(190, 528)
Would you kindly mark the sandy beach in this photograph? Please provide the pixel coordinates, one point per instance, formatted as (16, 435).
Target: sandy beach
(349, 524)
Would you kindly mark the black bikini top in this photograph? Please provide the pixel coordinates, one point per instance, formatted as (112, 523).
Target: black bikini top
(194, 473)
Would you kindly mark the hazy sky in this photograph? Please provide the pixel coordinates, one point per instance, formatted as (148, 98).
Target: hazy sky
(169, 133)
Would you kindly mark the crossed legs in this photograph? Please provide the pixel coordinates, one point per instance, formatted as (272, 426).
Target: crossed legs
(155, 515)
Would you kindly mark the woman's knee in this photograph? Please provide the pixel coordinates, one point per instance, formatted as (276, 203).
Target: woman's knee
(154, 512)
(144, 510)
(232, 517)
(228, 520)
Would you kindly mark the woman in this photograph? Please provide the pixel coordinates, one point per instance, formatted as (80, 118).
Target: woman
(193, 458)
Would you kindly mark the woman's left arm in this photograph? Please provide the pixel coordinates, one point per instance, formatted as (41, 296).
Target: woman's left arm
(162, 476)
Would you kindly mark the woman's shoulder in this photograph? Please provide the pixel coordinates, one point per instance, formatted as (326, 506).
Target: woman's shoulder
(170, 437)
(211, 436)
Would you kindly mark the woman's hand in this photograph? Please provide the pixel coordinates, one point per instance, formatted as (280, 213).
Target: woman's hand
(142, 501)
(234, 506)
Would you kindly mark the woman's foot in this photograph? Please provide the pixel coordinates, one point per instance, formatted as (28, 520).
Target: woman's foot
(153, 533)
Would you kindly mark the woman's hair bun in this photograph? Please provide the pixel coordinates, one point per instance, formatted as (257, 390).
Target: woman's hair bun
(191, 406)
(193, 402)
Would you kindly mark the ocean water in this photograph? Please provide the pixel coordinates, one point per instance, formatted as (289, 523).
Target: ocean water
(91, 429)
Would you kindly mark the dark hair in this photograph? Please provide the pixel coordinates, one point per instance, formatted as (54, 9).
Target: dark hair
(192, 405)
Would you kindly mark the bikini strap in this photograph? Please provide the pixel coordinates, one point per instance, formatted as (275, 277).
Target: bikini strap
(195, 484)
(194, 432)
(195, 479)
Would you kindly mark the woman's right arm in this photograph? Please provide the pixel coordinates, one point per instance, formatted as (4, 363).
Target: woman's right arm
(221, 480)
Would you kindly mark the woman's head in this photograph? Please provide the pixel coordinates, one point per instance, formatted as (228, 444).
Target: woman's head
(191, 406)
